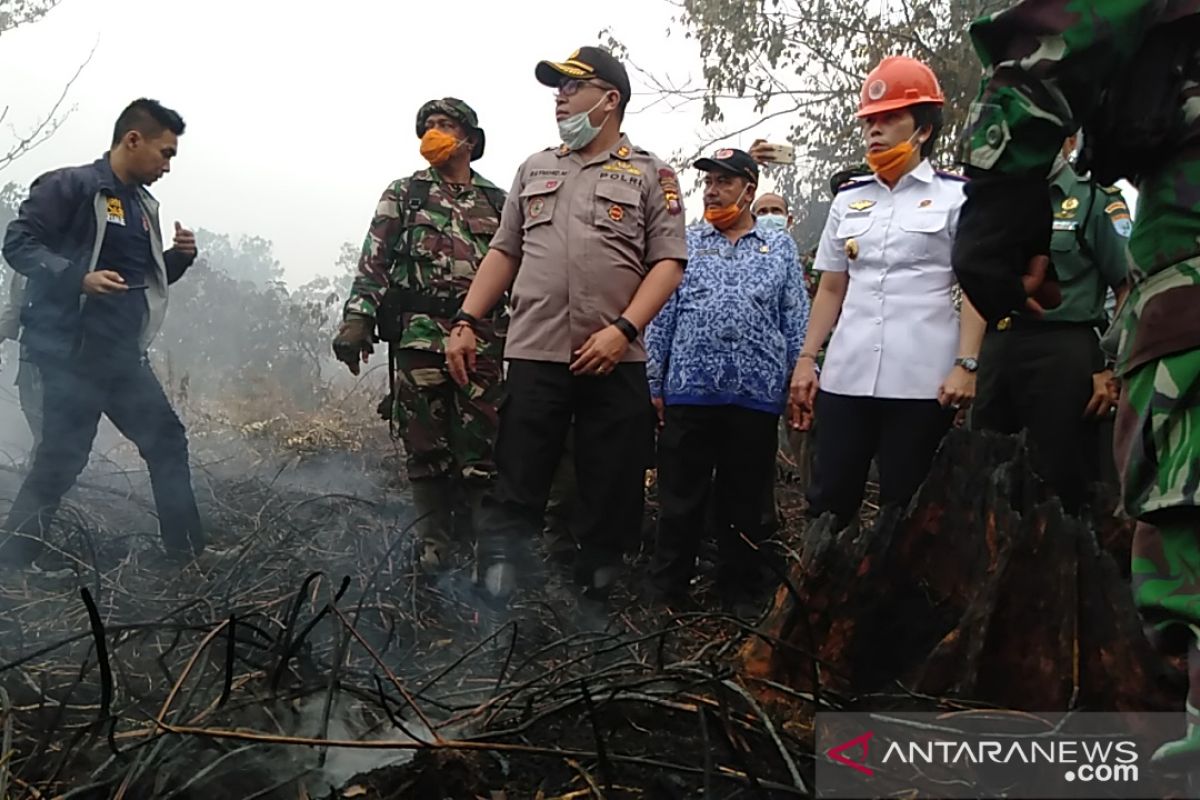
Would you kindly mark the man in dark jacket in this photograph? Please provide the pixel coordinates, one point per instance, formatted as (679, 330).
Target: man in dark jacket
(88, 241)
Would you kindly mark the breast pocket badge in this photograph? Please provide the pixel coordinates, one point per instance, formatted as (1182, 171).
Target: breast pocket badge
(116, 211)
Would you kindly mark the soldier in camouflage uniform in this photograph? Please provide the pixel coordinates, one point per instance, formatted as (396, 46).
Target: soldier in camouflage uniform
(1121, 69)
(428, 235)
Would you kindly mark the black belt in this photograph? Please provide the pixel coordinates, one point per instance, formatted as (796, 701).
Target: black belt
(398, 301)
(417, 302)
(1016, 322)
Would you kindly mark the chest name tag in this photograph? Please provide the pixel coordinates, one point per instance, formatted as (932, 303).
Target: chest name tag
(116, 211)
(1065, 224)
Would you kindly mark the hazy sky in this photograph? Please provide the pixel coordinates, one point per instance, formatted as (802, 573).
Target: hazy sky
(297, 118)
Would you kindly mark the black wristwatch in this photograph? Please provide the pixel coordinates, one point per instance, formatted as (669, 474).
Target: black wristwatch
(462, 316)
(969, 364)
(626, 327)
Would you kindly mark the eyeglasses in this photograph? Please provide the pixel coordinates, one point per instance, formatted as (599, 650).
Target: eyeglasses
(571, 86)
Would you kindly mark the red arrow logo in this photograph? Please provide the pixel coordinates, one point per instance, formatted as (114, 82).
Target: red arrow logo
(857, 742)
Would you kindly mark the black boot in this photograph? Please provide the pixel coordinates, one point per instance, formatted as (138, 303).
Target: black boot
(432, 504)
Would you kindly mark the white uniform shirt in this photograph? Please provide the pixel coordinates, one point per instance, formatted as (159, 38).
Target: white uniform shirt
(897, 336)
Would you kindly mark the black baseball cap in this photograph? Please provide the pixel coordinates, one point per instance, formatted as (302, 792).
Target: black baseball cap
(584, 64)
(731, 160)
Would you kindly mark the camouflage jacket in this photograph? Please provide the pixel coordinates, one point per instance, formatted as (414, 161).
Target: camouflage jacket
(450, 237)
(1046, 64)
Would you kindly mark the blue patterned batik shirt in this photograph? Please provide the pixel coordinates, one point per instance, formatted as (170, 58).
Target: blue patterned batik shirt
(731, 332)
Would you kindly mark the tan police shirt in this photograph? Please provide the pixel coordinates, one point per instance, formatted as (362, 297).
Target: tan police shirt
(585, 234)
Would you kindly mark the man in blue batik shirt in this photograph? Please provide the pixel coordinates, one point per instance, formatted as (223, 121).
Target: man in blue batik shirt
(720, 355)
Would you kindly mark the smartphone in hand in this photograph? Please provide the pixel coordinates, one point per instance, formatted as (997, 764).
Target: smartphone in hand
(779, 153)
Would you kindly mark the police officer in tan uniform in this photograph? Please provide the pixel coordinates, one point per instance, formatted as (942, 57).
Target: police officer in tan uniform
(592, 243)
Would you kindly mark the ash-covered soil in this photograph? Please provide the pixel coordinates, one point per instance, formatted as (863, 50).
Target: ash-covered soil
(243, 673)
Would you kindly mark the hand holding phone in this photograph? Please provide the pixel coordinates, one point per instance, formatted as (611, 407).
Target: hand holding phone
(765, 152)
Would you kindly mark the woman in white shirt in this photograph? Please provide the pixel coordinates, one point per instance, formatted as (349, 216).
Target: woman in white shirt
(901, 362)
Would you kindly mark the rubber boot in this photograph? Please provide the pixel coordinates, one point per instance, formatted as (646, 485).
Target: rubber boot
(432, 503)
(467, 504)
(496, 566)
(501, 541)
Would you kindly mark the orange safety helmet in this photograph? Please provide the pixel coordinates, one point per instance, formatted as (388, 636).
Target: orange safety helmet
(898, 82)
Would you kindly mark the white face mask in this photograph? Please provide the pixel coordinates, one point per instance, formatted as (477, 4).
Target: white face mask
(773, 222)
(577, 130)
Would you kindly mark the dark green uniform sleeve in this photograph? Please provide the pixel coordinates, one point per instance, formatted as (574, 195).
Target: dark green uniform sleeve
(1109, 230)
(1045, 65)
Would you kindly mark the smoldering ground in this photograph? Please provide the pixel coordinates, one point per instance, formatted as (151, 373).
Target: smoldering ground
(306, 655)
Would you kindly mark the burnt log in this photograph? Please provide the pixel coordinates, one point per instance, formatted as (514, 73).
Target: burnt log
(983, 589)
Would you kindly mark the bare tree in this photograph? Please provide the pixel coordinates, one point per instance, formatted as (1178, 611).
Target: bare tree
(802, 62)
(14, 14)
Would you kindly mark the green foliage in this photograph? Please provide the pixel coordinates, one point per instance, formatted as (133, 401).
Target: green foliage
(804, 61)
(233, 324)
(249, 259)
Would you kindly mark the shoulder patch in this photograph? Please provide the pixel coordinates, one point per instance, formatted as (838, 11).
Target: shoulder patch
(1116, 206)
(669, 183)
(951, 176)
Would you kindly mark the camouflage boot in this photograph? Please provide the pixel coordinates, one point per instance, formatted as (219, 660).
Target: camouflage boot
(432, 503)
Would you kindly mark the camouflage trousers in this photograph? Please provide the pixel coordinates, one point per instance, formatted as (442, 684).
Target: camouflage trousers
(448, 431)
(1157, 446)
(1158, 435)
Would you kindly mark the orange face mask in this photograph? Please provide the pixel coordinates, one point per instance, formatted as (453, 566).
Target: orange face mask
(723, 218)
(890, 163)
(437, 147)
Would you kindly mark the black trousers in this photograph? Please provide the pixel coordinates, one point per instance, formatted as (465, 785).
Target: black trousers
(1039, 376)
(901, 435)
(613, 434)
(770, 508)
(74, 395)
(740, 445)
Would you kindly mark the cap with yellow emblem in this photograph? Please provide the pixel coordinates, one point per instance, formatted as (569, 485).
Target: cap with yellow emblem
(586, 63)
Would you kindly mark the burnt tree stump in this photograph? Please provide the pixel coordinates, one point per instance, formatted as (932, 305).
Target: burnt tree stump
(982, 590)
